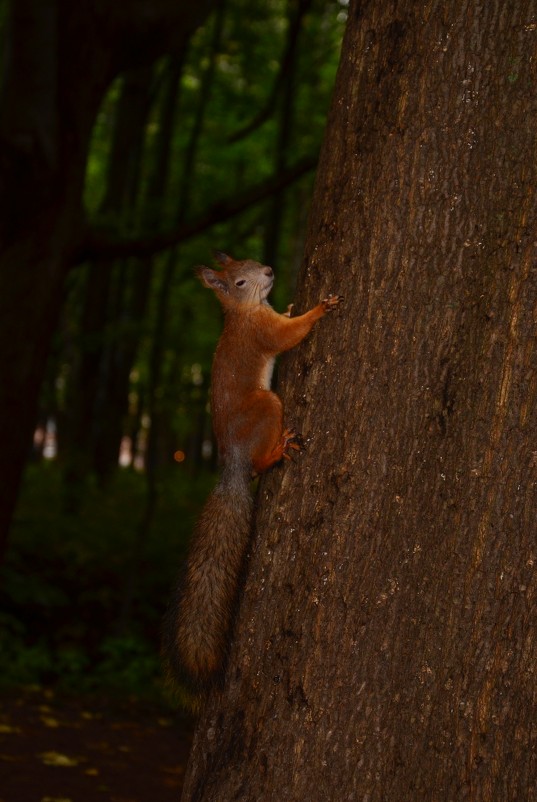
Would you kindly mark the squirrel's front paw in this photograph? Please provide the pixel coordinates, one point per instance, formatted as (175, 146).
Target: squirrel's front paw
(331, 302)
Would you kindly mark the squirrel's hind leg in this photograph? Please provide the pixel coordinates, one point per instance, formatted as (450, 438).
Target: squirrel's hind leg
(269, 443)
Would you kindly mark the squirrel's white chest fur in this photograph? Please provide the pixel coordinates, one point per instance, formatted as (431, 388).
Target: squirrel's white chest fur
(265, 377)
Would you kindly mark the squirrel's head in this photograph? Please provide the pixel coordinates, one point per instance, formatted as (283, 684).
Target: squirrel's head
(238, 282)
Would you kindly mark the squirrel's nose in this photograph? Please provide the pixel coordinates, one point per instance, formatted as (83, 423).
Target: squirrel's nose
(269, 272)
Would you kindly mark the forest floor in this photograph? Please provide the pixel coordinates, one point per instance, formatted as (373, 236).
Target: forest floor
(66, 749)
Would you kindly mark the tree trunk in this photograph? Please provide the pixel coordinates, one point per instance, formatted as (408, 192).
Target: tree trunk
(386, 645)
(60, 59)
(133, 280)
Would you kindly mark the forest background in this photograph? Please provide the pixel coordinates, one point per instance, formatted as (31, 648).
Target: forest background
(211, 145)
(390, 585)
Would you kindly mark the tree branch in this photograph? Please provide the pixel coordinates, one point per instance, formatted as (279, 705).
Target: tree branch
(288, 56)
(100, 244)
(144, 30)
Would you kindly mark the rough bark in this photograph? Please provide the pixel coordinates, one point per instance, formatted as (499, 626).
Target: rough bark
(60, 59)
(386, 642)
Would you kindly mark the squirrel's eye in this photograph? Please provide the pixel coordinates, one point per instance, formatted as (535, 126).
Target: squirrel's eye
(240, 283)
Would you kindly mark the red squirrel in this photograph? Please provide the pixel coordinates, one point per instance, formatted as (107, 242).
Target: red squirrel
(249, 430)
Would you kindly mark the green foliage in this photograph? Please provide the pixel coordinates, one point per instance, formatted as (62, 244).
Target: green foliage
(129, 664)
(65, 581)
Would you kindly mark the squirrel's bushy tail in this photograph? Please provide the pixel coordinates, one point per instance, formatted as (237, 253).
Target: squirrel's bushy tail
(199, 620)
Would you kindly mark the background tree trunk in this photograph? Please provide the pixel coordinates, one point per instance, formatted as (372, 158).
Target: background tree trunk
(60, 61)
(102, 369)
(385, 646)
(275, 208)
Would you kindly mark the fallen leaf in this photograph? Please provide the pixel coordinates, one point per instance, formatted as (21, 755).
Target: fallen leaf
(9, 728)
(85, 714)
(55, 799)
(48, 721)
(57, 759)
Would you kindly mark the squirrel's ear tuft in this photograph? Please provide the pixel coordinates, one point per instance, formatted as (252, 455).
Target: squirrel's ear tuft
(212, 279)
(222, 258)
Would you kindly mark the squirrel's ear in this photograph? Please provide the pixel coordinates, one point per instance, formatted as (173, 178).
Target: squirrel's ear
(222, 258)
(212, 279)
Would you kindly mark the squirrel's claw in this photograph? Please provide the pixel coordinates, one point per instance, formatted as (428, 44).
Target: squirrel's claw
(289, 310)
(331, 302)
(292, 440)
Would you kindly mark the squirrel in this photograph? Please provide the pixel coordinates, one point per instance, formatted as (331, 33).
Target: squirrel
(248, 426)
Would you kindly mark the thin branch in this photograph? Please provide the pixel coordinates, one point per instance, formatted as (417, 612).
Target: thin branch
(288, 57)
(206, 89)
(100, 244)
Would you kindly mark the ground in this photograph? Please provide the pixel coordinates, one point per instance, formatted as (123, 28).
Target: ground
(63, 749)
